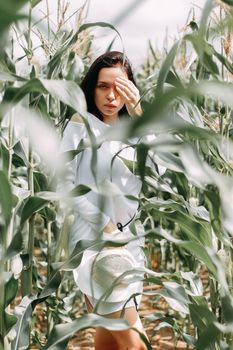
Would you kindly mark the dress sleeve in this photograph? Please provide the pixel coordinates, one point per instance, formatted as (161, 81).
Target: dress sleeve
(90, 217)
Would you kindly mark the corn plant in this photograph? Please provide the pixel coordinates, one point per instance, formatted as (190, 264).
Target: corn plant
(184, 159)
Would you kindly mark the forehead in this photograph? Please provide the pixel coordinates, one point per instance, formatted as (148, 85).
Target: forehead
(109, 74)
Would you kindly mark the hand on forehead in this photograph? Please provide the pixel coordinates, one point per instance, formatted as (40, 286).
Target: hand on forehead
(111, 74)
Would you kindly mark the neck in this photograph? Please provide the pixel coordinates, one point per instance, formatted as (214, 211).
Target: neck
(110, 119)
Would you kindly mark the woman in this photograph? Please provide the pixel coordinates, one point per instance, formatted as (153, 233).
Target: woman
(110, 92)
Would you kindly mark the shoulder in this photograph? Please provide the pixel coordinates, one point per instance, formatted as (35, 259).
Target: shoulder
(76, 118)
(95, 122)
(74, 128)
(96, 125)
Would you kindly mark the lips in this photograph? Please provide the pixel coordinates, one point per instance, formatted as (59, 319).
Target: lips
(110, 106)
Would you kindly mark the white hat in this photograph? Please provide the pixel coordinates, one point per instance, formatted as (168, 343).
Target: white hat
(99, 271)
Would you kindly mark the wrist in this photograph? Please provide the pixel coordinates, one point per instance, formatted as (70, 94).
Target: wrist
(135, 111)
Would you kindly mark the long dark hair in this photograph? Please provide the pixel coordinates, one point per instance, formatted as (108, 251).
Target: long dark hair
(88, 85)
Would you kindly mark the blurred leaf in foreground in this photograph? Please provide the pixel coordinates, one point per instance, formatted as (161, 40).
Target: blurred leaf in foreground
(9, 13)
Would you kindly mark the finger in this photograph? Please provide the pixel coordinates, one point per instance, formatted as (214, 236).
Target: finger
(131, 95)
(128, 83)
(131, 91)
(123, 94)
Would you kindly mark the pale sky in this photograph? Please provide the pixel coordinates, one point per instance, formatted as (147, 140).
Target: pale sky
(148, 19)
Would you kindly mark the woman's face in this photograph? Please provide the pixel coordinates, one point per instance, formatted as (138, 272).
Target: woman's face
(107, 99)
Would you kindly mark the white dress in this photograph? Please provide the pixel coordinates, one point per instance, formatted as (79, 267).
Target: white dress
(89, 219)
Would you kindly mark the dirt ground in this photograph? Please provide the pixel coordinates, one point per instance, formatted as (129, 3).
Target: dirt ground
(164, 339)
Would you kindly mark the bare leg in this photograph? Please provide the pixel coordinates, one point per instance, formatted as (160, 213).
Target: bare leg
(103, 338)
(119, 340)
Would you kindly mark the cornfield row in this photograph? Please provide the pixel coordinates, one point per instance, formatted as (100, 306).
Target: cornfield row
(186, 210)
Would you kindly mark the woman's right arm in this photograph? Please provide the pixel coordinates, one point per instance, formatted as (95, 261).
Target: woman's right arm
(90, 216)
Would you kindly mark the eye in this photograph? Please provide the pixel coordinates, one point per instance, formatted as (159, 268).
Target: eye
(102, 86)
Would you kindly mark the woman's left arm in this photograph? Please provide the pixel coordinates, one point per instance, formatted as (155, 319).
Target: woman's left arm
(130, 93)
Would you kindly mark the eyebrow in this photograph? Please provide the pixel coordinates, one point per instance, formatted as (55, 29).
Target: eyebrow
(102, 81)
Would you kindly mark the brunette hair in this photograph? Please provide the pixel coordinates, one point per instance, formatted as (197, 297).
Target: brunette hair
(88, 85)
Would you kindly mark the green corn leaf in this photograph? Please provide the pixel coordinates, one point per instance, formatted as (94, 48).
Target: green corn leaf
(66, 91)
(224, 61)
(5, 158)
(11, 289)
(31, 206)
(48, 213)
(208, 338)
(5, 198)
(35, 2)
(9, 13)
(40, 181)
(201, 254)
(163, 73)
(102, 25)
(15, 246)
(10, 321)
(227, 307)
(142, 151)
(80, 190)
(15, 94)
(195, 282)
(204, 51)
(7, 75)
(19, 151)
(60, 333)
(228, 2)
(173, 79)
(175, 301)
(22, 328)
(208, 7)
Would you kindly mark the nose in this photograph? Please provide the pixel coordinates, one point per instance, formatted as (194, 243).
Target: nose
(111, 95)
